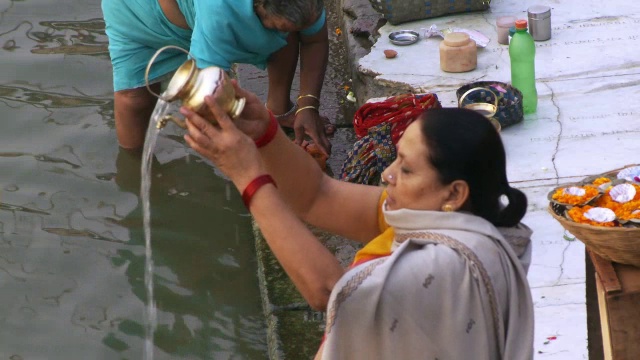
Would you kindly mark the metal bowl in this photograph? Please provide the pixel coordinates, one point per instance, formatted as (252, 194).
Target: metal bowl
(404, 37)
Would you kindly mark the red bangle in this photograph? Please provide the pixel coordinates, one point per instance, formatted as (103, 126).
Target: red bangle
(254, 186)
(271, 132)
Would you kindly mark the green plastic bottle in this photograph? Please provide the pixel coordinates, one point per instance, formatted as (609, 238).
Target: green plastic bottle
(522, 52)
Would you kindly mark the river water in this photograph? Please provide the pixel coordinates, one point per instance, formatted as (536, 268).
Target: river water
(72, 254)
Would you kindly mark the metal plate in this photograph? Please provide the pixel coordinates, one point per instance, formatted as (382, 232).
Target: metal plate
(404, 37)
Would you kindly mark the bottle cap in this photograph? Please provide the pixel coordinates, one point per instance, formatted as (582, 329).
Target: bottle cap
(456, 39)
(521, 24)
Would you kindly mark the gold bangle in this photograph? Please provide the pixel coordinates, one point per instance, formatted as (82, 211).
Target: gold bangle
(308, 95)
(306, 107)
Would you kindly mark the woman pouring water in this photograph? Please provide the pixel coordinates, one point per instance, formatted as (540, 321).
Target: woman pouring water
(269, 34)
(442, 274)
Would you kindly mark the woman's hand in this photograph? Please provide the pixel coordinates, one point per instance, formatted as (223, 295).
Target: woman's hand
(232, 151)
(309, 121)
(254, 118)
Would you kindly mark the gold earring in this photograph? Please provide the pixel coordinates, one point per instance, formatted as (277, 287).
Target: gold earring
(447, 208)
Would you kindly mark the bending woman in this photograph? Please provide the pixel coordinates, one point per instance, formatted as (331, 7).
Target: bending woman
(269, 34)
(436, 277)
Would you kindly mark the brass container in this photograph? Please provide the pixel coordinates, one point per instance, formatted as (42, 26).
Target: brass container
(191, 84)
(486, 109)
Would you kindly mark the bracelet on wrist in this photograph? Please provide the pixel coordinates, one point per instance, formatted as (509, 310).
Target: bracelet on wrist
(305, 108)
(271, 132)
(307, 95)
(294, 107)
(254, 186)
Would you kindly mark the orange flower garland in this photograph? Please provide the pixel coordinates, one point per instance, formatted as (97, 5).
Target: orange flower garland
(576, 214)
(561, 197)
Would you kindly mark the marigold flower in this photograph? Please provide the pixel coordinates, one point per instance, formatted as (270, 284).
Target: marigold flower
(576, 197)
(576, 214)
(562, 197)
(601, 180)
(623, 211)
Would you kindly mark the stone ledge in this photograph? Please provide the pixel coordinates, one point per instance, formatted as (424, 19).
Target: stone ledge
(294, 330)
(287, 315)
(362, 23)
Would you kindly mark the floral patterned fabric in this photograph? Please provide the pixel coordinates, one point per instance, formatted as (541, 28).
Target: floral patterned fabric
(379, 126)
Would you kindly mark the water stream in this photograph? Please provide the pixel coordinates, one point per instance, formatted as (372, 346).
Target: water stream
(73, 270)
(147, 155)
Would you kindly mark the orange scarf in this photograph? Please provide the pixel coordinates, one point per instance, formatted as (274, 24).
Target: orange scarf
(380, 246)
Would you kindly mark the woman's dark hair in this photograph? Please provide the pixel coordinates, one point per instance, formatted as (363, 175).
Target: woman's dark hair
(464, 145)
(299, 12)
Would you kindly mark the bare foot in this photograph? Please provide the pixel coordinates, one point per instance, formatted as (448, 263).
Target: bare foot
(329, 128)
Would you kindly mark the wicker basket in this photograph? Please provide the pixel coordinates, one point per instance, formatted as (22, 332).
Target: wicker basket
(618, 244)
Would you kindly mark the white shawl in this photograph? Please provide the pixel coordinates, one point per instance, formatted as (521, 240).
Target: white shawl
(453, 288)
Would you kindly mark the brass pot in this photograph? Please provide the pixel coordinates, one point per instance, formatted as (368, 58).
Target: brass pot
(191, 84)
(487, 109)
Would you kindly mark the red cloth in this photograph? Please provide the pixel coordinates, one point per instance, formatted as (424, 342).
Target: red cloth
(398, 110)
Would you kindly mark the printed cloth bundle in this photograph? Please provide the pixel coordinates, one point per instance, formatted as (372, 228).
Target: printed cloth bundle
(379, 126)
(401, 11)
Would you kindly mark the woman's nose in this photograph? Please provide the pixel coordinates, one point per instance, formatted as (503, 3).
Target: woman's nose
(387, 177)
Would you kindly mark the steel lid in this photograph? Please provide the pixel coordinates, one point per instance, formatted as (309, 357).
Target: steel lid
(539, 12)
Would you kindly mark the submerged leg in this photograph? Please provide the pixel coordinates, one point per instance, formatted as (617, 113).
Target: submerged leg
(133, 109)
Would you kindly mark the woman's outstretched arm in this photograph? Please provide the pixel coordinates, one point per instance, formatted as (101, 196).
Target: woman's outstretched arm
(346, 209)
(311, 266)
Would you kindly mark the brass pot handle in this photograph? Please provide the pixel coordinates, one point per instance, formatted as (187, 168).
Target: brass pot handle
(153, 58)
(495, 103)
